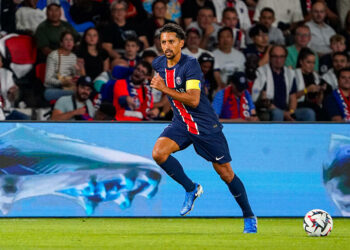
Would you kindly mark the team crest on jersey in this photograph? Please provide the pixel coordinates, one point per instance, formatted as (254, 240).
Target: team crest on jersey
(178, 80)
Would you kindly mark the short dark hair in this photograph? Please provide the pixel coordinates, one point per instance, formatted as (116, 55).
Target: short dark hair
(340, 54)
(147, 66)
(148, 53)
(338, 73)
(267, 9)
(158, 1)
(255, 30)
(173, 27)
(133, 39)
(225, 29)
(229, 9)
(66, 32)
(303, 53)
(278, 46)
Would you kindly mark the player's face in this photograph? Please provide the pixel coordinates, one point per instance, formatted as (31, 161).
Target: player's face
(171, 44)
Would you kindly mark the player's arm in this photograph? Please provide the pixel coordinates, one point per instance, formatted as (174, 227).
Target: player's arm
(190, 98)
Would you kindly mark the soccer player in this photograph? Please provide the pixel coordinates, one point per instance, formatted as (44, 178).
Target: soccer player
(195, 122)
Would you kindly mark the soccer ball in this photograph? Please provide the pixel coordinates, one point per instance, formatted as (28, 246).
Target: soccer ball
(318, 223)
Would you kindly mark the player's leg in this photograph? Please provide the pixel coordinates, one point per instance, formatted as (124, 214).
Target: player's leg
(235, 186)
(238, 191)
(174, 138)
(161, 153)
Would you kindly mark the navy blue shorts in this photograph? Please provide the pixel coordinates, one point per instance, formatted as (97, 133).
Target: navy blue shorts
(212, 147)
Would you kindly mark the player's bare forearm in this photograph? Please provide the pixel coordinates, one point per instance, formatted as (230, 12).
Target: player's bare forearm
(190, 97)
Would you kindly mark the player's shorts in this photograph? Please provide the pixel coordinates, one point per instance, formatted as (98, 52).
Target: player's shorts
(212, 147)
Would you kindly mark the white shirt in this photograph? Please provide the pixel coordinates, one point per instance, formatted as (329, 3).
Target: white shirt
(330, 78)
(287, 11)
(228, 63)
(28, 18)
(242, 12)
(186, 51)
(320, 35)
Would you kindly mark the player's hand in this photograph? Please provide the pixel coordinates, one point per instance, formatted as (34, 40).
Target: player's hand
(158, 82)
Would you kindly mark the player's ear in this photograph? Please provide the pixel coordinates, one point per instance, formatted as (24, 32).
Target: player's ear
(182, 43)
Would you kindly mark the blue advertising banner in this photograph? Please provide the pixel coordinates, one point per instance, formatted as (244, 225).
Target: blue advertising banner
(106, 169)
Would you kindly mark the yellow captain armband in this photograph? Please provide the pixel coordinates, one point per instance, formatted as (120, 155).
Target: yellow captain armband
(192, 84)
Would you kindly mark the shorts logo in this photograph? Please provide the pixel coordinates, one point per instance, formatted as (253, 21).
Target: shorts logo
(178, 80)
(219, 158)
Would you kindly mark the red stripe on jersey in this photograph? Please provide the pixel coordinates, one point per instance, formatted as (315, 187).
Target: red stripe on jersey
(186, 117)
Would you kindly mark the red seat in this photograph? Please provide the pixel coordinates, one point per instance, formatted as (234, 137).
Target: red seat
(40, 70)
(21, 49)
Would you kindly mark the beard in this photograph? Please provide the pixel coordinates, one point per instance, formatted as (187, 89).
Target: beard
(170, 56)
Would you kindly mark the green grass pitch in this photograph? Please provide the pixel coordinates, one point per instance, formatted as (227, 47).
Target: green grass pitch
(177, 233)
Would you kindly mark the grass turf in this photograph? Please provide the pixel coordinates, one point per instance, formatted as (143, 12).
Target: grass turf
(136, 233)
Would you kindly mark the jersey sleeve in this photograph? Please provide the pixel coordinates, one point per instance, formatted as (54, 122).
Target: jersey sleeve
(193, 75)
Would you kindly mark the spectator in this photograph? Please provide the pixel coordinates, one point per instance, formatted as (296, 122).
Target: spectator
(267, 18)
(320, 31)
(234, 103)
(7, 16)
(157, 20)
(227, 59)
(309, 90)
(8, 95)
(346, 31)
(340, 60)
(133, 97)
(206, 61)
(148, 56)
(117, 32)
(207, 27)
(76, 106)
(276, 84)
(28, 17)
(192, 42)
(130, 57)
(106, 112)
(260, 46)
(337, 45)
(287, 12)
(302, 38)
(241, 10)
(337, 104)
(49, 31)
(61, 69)
(94, 57)
(230, 19)
(190, 9)
(343, 7)
(156, 48)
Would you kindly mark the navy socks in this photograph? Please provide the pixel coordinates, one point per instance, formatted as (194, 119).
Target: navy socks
(238, 191)
(174, 169)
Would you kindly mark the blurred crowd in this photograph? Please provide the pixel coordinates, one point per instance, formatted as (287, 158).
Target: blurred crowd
(262, 60)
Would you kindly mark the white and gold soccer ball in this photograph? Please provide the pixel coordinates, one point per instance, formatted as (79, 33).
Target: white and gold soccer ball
(318, 223)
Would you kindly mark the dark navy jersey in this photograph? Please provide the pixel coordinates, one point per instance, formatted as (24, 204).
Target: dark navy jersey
(187, 74)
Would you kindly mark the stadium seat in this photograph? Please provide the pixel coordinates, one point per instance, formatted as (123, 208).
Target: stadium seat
(40, 70)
